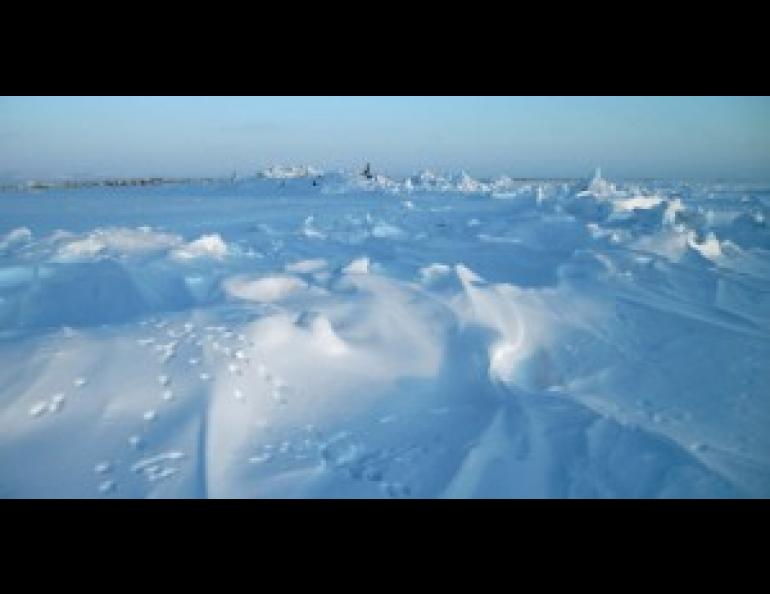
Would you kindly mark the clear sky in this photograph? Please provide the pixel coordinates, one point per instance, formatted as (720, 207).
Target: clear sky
(694, 137)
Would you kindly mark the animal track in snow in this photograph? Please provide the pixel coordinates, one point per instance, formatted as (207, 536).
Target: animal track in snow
(107, 486)
(57, 401)
(42, 406)
(152, 467)
(38, 409)
(102, 467)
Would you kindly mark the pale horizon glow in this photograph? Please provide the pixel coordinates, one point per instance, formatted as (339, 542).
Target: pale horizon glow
(628, 137)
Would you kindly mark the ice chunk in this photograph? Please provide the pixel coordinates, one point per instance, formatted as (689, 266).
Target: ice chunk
(710, 247)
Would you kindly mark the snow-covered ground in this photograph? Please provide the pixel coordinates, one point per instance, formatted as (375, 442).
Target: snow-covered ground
(308, 335)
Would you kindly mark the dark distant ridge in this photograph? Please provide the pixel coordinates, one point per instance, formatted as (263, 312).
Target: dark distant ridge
(110, 182)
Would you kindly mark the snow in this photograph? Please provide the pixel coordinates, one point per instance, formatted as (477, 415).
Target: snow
(15, 237)
(709, 248)
(358, 266)
(113, 242)
(267, 289)
(306, 266)
(211, 246)
(432, 336)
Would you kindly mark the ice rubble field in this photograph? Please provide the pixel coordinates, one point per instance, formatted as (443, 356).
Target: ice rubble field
(431, 337)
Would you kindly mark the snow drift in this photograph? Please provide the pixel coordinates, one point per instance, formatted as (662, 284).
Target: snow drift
(438, 336)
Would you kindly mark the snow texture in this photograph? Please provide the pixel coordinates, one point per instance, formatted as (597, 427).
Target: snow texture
(310, 334)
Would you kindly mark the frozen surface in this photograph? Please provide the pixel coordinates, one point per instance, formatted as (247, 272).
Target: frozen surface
(302, 334)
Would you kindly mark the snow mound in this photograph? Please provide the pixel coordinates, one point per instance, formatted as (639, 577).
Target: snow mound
(518, 342)
(206, 246)
(15, 237)
(266, 289)
(114, 242)
(322, 333)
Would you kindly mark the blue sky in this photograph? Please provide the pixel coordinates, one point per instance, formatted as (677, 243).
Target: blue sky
(694, 137)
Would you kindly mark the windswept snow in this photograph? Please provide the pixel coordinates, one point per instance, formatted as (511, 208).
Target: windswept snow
(310, 334)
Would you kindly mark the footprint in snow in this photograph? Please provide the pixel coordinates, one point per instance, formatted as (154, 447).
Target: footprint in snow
(38, 409)
(57, 401)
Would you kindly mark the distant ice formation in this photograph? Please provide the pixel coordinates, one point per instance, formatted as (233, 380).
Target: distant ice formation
(290, 172)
